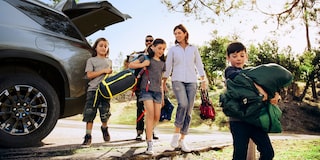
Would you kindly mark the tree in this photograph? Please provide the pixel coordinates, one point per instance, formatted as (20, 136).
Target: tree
(214, 58)
(310, 67)
(305, 11)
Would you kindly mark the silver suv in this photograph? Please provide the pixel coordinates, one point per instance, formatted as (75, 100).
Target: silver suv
(43, 53)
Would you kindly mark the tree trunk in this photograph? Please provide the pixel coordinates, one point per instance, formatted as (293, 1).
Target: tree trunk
(300, 98)
(309, 80)
(313, 88)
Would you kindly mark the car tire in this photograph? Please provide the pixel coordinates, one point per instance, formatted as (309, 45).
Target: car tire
(29, 109)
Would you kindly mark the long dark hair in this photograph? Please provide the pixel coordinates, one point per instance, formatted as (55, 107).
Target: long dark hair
(155, 43)
(184, 30)
(94, 53)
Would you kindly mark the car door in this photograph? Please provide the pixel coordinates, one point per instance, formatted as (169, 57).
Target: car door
(90, 17)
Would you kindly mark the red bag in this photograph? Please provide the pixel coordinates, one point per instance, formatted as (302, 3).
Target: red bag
(206, 109)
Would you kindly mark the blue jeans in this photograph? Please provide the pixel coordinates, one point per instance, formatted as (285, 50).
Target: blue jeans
(242, 132)
(185, 94)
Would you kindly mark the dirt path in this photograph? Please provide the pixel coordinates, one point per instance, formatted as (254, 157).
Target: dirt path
(64, 143)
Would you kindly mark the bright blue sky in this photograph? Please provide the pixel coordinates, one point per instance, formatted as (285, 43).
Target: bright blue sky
(152, 17)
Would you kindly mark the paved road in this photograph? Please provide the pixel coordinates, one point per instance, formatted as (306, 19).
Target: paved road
(64, 143)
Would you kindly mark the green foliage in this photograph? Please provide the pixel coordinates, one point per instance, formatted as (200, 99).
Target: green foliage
(310, 63)
(214, 58)
(269, 52)
(221, 120)
(306, 66)
(289, 62)
(302, 11)
(214, 55)
(303, 68)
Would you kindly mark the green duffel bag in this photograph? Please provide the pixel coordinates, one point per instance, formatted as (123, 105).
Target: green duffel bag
(270, 119)
(271, 77)
(242, 100)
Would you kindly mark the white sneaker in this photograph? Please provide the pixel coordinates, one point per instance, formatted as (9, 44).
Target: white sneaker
(184, 146)
(149, 150)
(175, 140)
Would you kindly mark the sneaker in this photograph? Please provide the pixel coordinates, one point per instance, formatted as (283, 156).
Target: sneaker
(184, 146)
(139, 137)
(105, 134)
(87, 141)
(175, 140)
(154, 136)
(149, 150)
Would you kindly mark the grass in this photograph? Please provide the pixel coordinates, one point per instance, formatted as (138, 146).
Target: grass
(284, 150)
(297, 149)
(125, 113)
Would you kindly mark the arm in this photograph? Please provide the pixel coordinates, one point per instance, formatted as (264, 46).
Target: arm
(162, 93)
(164, 82)
(199, 64)
(91, 74)
(169, 64)
(137, 64)
(275, 99)
(200, 69)
(203, 83)
(261, 91)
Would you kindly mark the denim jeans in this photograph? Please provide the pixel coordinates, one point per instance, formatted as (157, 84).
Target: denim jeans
(185, 94)
(156, 97)
(242, 132)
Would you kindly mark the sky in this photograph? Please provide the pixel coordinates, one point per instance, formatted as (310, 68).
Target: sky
(152, 17)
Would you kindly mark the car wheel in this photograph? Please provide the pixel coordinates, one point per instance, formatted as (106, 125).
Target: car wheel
(29, 109)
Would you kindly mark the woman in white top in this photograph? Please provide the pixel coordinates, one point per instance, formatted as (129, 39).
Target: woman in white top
(184, 65)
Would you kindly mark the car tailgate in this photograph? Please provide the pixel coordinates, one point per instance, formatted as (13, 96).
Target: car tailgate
(91, 16)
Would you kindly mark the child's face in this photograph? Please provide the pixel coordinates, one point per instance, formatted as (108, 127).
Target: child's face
(102, 48)
(159, 50)
(238, 59)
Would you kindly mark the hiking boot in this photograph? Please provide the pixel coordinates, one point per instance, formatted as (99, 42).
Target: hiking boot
(105, 134)
(87, 141)
(149, 150)
(154, 136)
(184, 146)
(175, 140)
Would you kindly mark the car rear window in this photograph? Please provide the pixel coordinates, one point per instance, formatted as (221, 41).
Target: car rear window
(47, 18)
